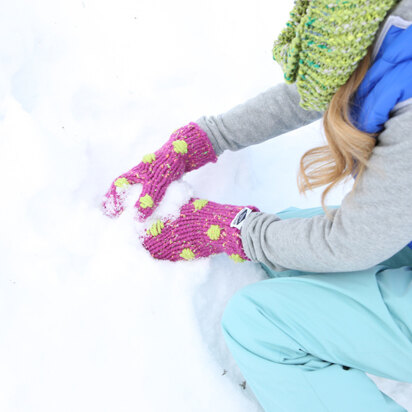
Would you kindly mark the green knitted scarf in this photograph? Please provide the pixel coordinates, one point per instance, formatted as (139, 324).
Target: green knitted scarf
(323, 43)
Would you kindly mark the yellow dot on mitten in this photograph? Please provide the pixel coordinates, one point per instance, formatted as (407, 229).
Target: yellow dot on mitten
(180, 146)
(214, 232)
(156, 228)
(237, 258)
(149, 158)
(146, 201)
(187, 254)
(200, 203)
(121, 182)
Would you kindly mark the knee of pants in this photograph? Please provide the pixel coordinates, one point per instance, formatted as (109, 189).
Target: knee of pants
(255, 319)
(247, 316)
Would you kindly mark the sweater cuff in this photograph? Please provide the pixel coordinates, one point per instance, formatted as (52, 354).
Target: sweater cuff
(246, 239)
(251, 241)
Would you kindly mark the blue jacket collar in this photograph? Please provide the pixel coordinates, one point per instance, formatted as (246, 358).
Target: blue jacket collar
(388, 83)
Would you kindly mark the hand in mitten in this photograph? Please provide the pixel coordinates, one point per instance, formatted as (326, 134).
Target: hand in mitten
(202, 229)
(188, 148)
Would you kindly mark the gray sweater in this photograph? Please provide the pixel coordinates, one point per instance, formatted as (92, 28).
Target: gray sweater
(371, 224)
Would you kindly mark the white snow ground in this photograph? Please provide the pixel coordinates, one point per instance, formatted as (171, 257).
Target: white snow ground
(88, 320)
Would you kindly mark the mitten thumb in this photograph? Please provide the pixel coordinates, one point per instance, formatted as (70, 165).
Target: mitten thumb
(149, 200)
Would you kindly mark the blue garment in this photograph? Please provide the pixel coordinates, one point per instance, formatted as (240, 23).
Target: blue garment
(304, 340)
(387, 83)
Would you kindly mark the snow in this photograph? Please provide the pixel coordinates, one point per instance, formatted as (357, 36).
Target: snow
(89, 321)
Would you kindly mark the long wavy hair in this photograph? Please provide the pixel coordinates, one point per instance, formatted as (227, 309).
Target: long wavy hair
(348, 147)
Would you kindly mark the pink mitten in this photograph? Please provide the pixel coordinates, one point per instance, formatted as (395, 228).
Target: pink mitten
(188, 148)
(202, 229)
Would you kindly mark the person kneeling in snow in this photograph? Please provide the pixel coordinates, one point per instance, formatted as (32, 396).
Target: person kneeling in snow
(339, 299)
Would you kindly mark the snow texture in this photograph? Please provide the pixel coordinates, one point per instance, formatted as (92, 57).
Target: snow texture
(89, 321)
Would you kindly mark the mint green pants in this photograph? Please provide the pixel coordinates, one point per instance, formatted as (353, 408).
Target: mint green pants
(304, 340)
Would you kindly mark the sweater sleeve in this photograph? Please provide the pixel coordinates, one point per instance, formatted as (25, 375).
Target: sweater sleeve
(373, 222)
(269, 114)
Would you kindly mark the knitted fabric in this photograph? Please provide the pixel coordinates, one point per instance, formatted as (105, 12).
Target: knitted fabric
(202, 229)
(188, 148)
(323, 43)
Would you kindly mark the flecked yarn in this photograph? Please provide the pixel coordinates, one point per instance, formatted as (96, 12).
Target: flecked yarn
(323, 43)
(188, 148)
(202, 229)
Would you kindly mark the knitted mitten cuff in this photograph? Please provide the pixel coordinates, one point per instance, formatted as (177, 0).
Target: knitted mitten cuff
(193, 145)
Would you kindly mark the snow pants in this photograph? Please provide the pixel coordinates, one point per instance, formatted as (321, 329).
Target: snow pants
(304, 340)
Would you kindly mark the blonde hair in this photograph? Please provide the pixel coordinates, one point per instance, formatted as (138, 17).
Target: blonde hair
(348, 147)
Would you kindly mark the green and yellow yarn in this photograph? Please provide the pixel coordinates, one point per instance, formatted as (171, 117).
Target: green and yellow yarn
(146, 201)
(187, 254)
(237, 258)
(213, 232)
(149, 158)
(156, 228)
(200, 203)
(323, 43)
(121, 182)
(180, 146)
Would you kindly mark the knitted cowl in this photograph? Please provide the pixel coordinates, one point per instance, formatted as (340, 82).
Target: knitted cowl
(323, 43)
